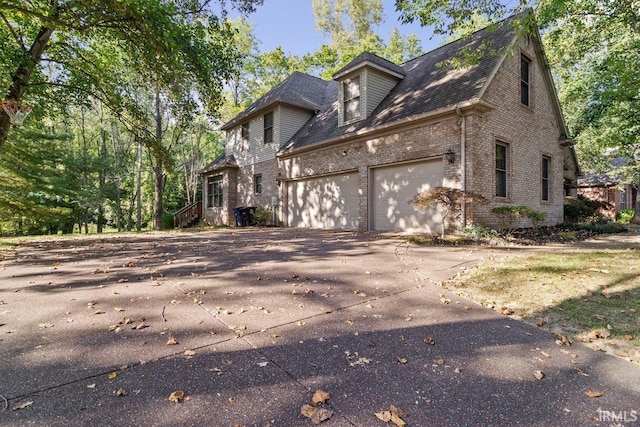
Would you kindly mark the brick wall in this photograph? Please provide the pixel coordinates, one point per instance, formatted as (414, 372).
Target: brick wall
(531, 132)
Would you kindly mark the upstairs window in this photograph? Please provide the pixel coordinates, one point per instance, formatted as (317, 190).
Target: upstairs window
(245, 131)
(525, 80)
(502, 162)
(268, 127)
(546, 164)
(351, 93)
(214, 192)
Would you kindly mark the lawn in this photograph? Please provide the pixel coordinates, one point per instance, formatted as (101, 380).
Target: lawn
(586, 296)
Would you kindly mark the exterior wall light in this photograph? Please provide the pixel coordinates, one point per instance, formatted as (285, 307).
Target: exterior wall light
(450, 156)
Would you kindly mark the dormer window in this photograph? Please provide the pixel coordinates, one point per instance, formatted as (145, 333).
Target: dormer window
(351, 88)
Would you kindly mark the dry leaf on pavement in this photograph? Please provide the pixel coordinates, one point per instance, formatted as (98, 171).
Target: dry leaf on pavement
(320, 396)
(22, 405)
(538, 375)
(172, 341)
(316, 415)
(393, 415)
(176, 396)
(593, 394)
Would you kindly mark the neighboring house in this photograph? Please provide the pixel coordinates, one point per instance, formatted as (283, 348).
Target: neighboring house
(352, 152)
(607, 188)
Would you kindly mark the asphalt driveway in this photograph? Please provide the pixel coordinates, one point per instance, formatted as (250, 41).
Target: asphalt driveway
(249, 323)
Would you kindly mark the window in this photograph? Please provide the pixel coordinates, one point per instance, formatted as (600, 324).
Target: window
(245, 131)
(214, 191)
(257, 183)
(502, 161)
(525, 65)
(268, 127)
(546, 164)
(351, 93)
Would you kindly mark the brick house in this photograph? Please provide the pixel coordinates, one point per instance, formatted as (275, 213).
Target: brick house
(608, 188)
(352, 152)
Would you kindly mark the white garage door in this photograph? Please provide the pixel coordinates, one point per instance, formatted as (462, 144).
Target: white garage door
(328, 202)
(393, 187)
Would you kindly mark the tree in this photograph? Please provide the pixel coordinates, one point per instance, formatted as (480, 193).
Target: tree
(350, 27)
(450, 201)
(153, 36)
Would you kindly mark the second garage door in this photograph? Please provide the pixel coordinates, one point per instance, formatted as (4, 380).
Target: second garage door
(329, 202)
(393, 187)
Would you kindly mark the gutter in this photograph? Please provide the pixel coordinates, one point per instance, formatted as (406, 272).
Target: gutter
(468, 105)
(463, 161)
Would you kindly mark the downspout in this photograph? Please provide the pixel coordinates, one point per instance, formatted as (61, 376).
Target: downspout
(462, 121)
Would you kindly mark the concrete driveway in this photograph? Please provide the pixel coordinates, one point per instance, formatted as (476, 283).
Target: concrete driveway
(249, 323)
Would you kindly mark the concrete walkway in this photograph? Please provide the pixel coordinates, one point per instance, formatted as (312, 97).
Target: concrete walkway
(249, 323)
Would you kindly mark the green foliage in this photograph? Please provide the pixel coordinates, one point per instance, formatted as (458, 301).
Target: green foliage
(478, 232)
(606, 227)
(263, 216)
(510, 216)
(625, 215)
(582, 209)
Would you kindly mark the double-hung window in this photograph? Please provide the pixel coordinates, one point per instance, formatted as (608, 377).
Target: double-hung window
(214, 192)
(546, 165)
(501, 170)
(268, 127)
(351, 94)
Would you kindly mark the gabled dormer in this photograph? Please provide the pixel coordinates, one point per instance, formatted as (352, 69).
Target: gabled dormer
(364, 83)
(258, 132)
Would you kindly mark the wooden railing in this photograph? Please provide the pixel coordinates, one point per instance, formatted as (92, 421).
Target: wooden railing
(188, 216)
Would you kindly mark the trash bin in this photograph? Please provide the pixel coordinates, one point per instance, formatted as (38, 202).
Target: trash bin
(237, 213)
(247, 215)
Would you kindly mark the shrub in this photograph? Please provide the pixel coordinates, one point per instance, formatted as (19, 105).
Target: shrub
(478, 232)
(607, 228)
(625, 215)
(582, 208)
(262, 216)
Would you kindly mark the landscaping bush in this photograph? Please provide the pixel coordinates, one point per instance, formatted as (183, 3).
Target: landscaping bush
(509, 216)
(625, 215)
(582, 208)
(262, 216)
(606, 228)
(478, 232)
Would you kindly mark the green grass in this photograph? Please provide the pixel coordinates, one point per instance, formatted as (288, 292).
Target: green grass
(576, 293)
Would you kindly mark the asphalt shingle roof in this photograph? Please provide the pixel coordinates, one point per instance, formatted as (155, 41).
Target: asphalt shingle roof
(429, 85)
(299, 89)
(220, 162)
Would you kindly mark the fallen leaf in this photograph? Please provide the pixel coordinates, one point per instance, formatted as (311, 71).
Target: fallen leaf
(438, 361)
(189, 353)
(172, 341)
(112, 375)
(628, 337)
(320, 396)
(383, 416)
(22, 405)
(118, 308)
(91, 385)
(538, 375)
(121, 392)
(429, 341)
(98, 312)
(401, 360)
(46, 325)
(466, 307)
(395, 410)
(593, 394)
(397, 420)
(263, 364)
(308, 411)
(176, 396)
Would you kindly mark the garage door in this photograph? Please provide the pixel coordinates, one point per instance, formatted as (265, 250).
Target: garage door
(328, 202)
(393, 187)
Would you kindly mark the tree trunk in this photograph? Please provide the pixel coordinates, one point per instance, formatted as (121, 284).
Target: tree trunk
(20, 79)
(139, 189)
